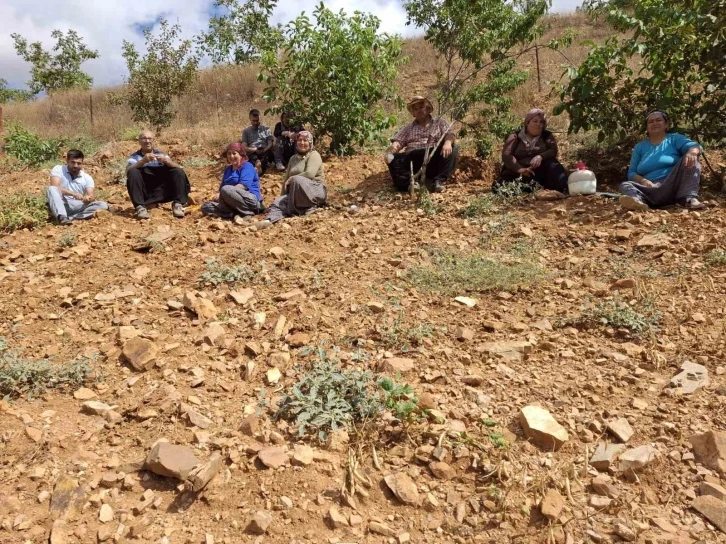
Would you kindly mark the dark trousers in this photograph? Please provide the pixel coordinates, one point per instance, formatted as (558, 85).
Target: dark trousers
(265, 158)
(439, 168)
(154, 185)
(550, 175)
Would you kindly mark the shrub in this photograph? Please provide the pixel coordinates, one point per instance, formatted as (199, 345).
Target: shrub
(69, 239)
(29, 148)
(241, 33)
(334, 74)
(328, 398)
(451, 272)
(20, 377)
(23, 210)
(667, 55)
(166, 71)
(638, 319)
(717, 257)
(218, 273)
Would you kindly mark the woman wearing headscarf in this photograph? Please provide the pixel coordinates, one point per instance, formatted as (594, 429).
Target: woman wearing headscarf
(239, 192)
(664, 169)
(530, 155)
(303, 190)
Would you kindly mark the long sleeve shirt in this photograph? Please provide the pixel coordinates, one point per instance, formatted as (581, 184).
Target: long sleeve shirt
(517, 154)
(245, 175)
(414, 136)
(654, 162)
(309, 165)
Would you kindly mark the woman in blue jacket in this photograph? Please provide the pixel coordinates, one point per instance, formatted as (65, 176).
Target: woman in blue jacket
(664, 169)
(239, 192)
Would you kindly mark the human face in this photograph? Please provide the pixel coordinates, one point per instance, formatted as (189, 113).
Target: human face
(255, 120)
(535, 125)
(75, 166)
(284, 118)
(303, 144)
(420, 111)
(146, 140)
(234, 158)
(657, 125)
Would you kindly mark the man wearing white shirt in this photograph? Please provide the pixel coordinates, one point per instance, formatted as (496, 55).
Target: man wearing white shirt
(70, 195)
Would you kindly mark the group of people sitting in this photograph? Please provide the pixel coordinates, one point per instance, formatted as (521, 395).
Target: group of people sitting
(664, 169)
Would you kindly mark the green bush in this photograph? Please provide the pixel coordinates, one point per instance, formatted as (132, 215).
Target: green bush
(449, 272)
(335, 74)
(327, 398)
(28, 148)
(20, 377)
(717, 257)
(23, 210)
(638, 318)
(218, 273)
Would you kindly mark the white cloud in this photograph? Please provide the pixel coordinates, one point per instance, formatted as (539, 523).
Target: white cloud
(104, 26)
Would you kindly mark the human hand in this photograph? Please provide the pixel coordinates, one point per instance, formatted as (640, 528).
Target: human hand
(535, 162)
(87, 198)
(149, 157)
(388, 158)
(690, 159)
(215, 198)
(79, 196)
(647, 183)
(163, 159)
(526, 172)
(446, 150)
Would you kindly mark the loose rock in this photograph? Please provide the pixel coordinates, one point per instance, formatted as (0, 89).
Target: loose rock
(542, 429)
(403, 488)
(171, 460)
(140, 353)
(709, 449)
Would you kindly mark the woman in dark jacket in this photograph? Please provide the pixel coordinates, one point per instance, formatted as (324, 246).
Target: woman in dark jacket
(530, 159)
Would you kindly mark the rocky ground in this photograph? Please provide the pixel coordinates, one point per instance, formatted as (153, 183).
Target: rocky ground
(584, 405)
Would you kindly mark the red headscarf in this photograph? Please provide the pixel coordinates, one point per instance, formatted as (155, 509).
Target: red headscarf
(237, 146)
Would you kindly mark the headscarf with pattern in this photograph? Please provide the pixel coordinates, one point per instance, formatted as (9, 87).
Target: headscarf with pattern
(308, 136)
(531, 141)
(237, 146)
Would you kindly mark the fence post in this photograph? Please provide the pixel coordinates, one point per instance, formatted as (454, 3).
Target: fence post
(539, 78)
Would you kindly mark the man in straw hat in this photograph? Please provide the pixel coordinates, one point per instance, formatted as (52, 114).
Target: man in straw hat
(409, 147)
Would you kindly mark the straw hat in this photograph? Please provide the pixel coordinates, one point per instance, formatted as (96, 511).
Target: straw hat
(417, 99)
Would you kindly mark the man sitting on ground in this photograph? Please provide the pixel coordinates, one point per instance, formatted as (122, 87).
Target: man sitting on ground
(153, 178)
(423, 132)
(258, 141)
(70, 195)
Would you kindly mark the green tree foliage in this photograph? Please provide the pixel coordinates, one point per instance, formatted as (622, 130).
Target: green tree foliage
(478, 44)
(51, 72)
(670, 58)
(167, 70)
(241, 33)
(12, 95)
(334, 74)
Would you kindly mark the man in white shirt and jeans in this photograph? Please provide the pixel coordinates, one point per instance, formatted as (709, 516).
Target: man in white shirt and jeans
(70, 195)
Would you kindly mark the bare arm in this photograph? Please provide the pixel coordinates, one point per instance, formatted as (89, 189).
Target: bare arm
(270, 143)
(55, 181)
(395, 147)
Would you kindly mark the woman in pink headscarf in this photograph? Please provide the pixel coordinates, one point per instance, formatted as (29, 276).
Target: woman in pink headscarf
(239, 192)
(530, 159)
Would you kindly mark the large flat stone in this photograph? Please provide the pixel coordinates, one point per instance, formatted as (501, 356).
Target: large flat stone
(713, 509)
(171, 460)
(542, 429)
(710, 449)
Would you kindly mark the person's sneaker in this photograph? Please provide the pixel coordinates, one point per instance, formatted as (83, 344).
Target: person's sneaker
(63, 220)
(142, 212)
(258, 167)
(694, 204)
(280, 167)
(633, 204)
(177, 210)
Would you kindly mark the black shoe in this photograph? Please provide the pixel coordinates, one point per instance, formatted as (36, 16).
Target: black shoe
(63, 220)
(439, 187)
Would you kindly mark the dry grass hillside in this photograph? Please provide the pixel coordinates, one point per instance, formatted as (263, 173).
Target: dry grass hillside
(565, 360)
(217, 108)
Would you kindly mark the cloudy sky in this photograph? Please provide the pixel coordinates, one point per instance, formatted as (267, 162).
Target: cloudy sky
(105, 24)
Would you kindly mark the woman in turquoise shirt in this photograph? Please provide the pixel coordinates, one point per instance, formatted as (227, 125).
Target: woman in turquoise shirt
(664, 169)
